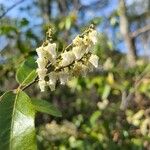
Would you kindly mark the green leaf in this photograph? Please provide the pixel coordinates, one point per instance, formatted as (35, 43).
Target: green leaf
(7, 29)
(68, 23)
(17, 131)
(46, 107)
(26, 73)
(106, 91)
(24, 22)
(94, 117)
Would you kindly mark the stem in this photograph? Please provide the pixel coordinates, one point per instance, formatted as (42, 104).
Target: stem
(25, 87)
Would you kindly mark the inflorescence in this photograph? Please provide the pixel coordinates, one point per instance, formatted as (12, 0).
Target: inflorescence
(76, 59)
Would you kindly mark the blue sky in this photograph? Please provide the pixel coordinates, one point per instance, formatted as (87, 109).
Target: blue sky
(105, 12)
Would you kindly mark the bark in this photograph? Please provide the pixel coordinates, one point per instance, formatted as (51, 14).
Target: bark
(125, 31)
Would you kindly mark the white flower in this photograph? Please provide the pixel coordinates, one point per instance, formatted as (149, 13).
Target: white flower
(94, 60)
(89, 48)
(41, 73)
(63, 77)
(84, 70)
(53, 77)
(78, 52)
(90, 67)
(67, 58)
(42, 85)
(71, 63)
(79, 69)
(51, 49)
(52, 86)
(41, 53)
(41, 62)
(78, 41)
(52, 80)
(93, 36)
(86, 40)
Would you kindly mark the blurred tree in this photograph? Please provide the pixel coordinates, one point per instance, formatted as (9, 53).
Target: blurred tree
(125, 31)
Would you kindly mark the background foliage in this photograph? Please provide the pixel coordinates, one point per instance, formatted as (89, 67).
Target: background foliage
(108, 109)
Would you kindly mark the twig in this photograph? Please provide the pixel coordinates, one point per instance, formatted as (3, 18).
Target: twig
(25, 87)
(11, 7)
(140, 31)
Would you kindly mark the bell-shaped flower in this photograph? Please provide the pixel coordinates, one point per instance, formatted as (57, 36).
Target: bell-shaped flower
(41, 73)
(89, 48)
(41, 62)
(94, 60)
(42, 85)
(52, 86)
(67, 58)
(41, 53)
(93, 36)
(78, 41)
(51, 49)
(78, 52)
(52, 80)
(79, 69)
(63, 77)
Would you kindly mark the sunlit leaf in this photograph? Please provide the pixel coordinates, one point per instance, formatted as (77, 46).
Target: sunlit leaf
(68, 23)
(17, 114)
(46, 107)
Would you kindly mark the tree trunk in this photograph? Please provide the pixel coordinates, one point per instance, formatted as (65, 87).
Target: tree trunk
(125, 31)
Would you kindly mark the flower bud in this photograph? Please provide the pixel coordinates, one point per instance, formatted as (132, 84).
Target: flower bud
(94, 60)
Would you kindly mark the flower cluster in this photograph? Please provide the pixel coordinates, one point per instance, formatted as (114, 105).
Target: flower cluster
(77, 59)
